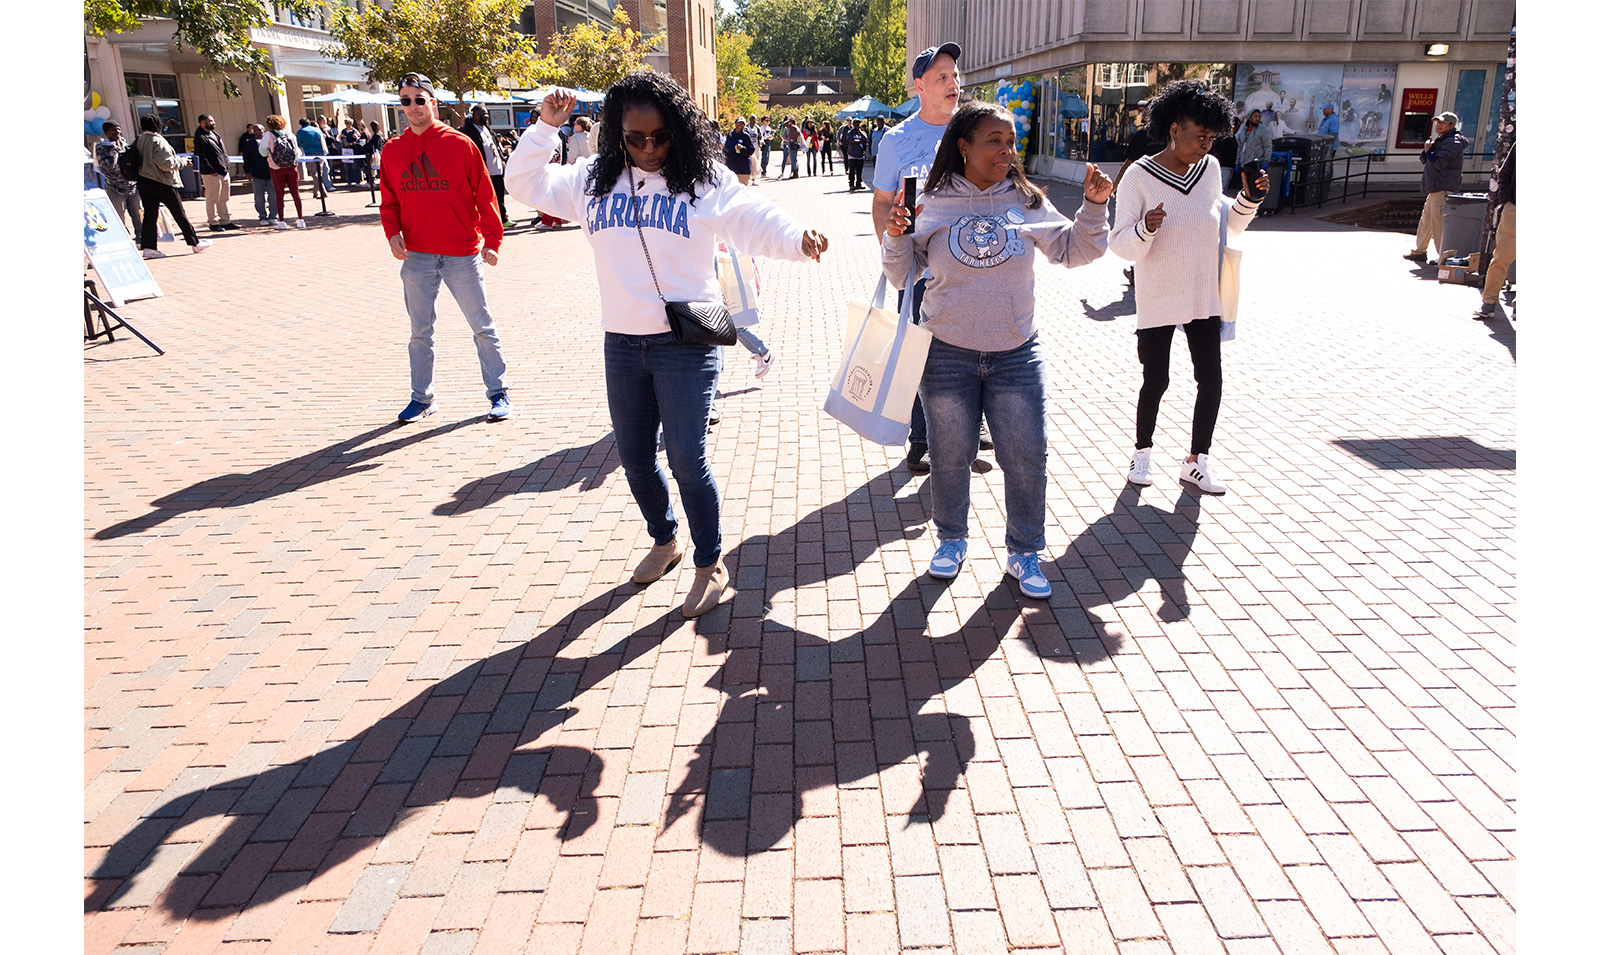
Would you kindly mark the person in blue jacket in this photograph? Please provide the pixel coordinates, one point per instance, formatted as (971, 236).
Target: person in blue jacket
(1441, 175)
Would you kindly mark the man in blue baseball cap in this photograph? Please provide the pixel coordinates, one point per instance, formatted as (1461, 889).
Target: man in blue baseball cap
(908, 150)
(1330, 122)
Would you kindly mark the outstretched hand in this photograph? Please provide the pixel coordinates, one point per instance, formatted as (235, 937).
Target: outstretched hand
(1097, 186)
(557, 106)
(813, 244)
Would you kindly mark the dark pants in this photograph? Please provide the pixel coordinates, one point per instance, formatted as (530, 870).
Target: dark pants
(827, 159)
(852, 172)
(766, 154)
(152, 196)
(500, 194)
(919, 422)
(1205, 350)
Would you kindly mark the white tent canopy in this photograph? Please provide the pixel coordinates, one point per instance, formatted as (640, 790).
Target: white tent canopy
(356, 97)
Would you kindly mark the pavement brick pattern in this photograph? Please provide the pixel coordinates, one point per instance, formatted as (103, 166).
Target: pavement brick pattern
(360, 687)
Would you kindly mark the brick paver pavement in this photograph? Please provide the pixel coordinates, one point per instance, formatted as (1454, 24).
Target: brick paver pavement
(353, 686)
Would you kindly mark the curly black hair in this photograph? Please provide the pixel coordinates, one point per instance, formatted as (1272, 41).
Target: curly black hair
(1191, 100)
(695, 149)
(947, 162)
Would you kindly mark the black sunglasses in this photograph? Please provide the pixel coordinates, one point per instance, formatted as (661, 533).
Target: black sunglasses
(420, 101)
(662, 137)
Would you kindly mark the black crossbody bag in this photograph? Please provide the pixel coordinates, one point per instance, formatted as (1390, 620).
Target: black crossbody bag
(698, 323)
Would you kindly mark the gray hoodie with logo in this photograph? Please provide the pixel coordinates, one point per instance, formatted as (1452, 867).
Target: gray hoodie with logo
(978, 246)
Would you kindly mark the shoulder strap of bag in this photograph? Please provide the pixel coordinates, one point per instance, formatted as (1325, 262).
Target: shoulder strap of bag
(627, 170)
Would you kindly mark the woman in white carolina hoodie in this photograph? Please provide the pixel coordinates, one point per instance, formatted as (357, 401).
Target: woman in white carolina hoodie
(976, 234)
(652, 200)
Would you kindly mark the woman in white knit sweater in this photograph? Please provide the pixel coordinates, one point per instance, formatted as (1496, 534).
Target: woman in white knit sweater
(1170, 210)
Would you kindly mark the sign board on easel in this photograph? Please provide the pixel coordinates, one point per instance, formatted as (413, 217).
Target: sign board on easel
(115, 258)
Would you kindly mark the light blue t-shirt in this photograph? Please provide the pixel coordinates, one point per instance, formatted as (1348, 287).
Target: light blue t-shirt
(310, 139)
(906, 150)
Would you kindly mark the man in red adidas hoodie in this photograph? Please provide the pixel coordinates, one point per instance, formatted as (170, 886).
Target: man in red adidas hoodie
(439, 213)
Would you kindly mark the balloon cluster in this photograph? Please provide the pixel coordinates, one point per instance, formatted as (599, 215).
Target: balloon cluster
(94, 118)
(1018, 98)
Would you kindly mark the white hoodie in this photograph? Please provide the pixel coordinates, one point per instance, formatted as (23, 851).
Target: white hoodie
(682, 235)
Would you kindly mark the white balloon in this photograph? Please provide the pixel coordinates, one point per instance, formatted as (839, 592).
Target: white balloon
(103, 112)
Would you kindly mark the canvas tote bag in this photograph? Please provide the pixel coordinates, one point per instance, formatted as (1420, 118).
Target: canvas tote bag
(882, 367)
(741, 285)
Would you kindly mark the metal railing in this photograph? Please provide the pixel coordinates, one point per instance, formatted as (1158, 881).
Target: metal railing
(1326, 169)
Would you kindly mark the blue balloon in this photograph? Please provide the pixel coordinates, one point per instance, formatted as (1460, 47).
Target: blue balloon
(94, 127)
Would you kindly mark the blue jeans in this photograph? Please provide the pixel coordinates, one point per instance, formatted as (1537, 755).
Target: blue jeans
(263, 191)
(751, 341)
(420, 274)
(766, 154)
(1007, 388)
(919, 421)
(654, 383)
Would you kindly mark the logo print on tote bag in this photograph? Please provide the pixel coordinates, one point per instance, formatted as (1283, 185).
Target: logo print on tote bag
(859, 385)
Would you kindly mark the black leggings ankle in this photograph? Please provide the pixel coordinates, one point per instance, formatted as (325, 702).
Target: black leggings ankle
(1205, 350)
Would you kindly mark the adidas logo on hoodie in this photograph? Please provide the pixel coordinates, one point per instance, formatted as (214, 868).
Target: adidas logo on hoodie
(421, 176)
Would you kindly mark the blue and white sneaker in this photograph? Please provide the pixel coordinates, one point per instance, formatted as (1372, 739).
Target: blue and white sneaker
(1025, 567)
(416, 409)
(499, 407)
(947, 560)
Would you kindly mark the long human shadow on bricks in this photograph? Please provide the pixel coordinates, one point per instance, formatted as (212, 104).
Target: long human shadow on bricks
(587, 467)
(1117, 555)
(1428, 452)
(337, 460)
(459, 738)
(803, 713)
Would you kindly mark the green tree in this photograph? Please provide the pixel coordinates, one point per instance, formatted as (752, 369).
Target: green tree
(878, 56)
(218, 30)
(739, 81)
(593, 58)
(796, 32)
(461, 45)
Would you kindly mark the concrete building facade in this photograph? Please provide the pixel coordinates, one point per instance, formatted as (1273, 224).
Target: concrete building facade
(1076, 69)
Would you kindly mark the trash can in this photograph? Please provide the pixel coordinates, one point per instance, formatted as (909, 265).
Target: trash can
(1313, 150)
(191, 188)
(1463, 222)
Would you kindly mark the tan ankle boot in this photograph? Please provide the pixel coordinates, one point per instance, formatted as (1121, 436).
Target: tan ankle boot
(709, 582)
(660, 559)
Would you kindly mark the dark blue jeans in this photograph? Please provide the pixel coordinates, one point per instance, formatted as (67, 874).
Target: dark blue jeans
(919, 421)
(653, 382)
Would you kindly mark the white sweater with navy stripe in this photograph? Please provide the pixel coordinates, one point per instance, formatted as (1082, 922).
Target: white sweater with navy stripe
(1179, 263)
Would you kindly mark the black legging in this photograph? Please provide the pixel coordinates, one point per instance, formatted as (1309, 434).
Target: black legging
(1205, 350)
(152, 196)
(827, 157)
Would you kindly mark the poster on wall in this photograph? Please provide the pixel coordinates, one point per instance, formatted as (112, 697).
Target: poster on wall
(1365, 105)
(1289, 95)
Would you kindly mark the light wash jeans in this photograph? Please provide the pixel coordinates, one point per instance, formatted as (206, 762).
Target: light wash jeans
(420, 274)
(751, 341)
(1008, 389)
(654, 383)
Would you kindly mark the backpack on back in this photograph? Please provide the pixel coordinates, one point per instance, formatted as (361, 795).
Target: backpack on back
(284, 150)
(128, 161)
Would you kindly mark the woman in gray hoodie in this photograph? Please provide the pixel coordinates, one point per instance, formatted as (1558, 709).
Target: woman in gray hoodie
(976, 234)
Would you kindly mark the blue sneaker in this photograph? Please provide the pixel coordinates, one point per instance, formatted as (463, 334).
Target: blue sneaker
(947, 560)
(416, 409)
(499, 407)
(1025, 567)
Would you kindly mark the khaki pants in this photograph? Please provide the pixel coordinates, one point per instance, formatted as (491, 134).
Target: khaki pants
(216, 199)
(1505, 253)
(1430, 228)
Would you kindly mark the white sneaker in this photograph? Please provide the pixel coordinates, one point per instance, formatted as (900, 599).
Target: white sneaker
(266, 222)
(153, 254)
(764, 362)
(1139, 468)
(299, 223)
(1202, 474)
(200, 246)
(281, 225)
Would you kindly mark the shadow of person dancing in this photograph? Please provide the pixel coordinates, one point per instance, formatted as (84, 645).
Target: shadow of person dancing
(803, 713)
(462, 737)
(337, 460)
(586, 467)
(1121, 553)
(459, 738)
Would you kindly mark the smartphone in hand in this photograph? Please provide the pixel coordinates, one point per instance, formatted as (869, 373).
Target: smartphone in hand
(910, 202)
